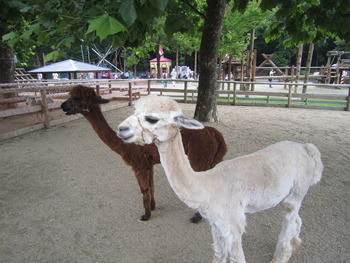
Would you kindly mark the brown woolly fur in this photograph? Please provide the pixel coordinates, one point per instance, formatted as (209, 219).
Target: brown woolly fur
(205, 148)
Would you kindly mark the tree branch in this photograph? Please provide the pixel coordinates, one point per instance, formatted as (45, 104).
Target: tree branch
(194, 9)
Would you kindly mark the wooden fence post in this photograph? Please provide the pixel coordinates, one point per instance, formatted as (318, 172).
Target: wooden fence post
(348, 101)
(242, 73)
(234, 93)
(185, 95)
(292, 77)
(44, 108)
(149, 86)
(289, 96)
(130, 94)
(328, 71)
(254, 69)
(286, 79)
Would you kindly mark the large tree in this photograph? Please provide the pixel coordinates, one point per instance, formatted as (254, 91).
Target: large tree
(208, 53)
(10, 20)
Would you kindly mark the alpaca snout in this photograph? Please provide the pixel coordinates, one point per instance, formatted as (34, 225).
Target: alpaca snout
(130, 131)
(123, 128)
(65, 108)
(124, 133)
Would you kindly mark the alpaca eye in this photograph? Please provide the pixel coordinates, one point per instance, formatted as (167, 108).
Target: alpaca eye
(151, 120)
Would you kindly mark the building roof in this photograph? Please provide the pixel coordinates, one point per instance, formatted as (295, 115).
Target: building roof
(69, 65)
(162, 59)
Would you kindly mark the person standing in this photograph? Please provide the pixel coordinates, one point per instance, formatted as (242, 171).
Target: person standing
(272, 72)
(173, 76)
(165, 82)
(55, 75)
(91, 75)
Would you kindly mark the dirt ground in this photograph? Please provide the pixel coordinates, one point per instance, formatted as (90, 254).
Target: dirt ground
(66, 197)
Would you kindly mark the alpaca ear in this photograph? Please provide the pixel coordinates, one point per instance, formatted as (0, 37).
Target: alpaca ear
(188, 123)
(99, 100)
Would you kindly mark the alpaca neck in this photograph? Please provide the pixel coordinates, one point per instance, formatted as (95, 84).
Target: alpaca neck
(179, 172)
(102, 128)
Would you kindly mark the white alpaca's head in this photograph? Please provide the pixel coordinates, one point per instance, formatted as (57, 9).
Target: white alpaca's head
(155, 118)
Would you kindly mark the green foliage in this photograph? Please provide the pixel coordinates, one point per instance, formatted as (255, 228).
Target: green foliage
(128, 12)
(132, 58)
(52, 56)
(181, 18)
(63, 24)
(10, 38)
(185, 43)
(60, 25)
(237, 26)
(308, 21)
(105, 25)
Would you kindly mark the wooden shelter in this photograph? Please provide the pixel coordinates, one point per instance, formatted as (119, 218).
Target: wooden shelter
(335, 71)
(165, 66)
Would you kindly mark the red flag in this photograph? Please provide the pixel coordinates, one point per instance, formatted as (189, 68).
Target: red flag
(161, 52)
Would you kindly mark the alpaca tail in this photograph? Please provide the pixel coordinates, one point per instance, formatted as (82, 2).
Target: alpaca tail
(315, 154)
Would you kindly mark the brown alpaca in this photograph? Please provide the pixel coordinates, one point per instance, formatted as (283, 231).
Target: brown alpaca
(205, 148)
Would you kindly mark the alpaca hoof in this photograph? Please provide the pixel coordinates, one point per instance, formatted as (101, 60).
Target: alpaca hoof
(196, 218)
(296, 242)
(145, 217)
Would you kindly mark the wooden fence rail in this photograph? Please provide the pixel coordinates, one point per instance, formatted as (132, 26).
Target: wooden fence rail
(229, 93)
(125, 91)
(237, 92)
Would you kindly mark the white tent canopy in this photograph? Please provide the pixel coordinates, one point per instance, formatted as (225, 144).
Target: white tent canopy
(68, 66)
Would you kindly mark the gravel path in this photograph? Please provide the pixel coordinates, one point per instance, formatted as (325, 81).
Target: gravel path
(66, 197)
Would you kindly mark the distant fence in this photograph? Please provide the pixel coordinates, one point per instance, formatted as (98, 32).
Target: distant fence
(229, 93)
(241, 94)
(49, 96)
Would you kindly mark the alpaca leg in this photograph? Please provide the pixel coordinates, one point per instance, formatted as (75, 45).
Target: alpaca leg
(235, 253)
(219, 246)
(151, 185)
(288, 240)
(233, 237)
(143, 178)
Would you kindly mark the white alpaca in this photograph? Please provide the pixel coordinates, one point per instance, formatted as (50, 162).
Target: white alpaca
(37, 100)
(281, 173)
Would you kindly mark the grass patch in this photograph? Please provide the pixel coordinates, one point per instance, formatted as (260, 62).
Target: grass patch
(273, 100)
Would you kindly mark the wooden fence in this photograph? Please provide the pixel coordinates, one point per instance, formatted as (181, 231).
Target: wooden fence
(13, 99)
(239, 93)
(284, 94)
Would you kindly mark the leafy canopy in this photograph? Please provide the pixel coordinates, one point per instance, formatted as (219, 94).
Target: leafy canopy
(127, 23)
(308, 21)
(70, 22)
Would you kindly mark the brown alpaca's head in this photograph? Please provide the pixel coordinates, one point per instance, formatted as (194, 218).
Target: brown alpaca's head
(82, 99)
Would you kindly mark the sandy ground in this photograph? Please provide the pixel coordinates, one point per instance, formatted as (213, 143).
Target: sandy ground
(66, 197)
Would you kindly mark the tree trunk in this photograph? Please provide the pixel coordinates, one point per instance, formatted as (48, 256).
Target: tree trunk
(177, 60)
(206, 107)
(7, 72)
(41, 61)
(297, 73)
(195, 64)
(159, 74)
(308, 66)
(7, 65)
